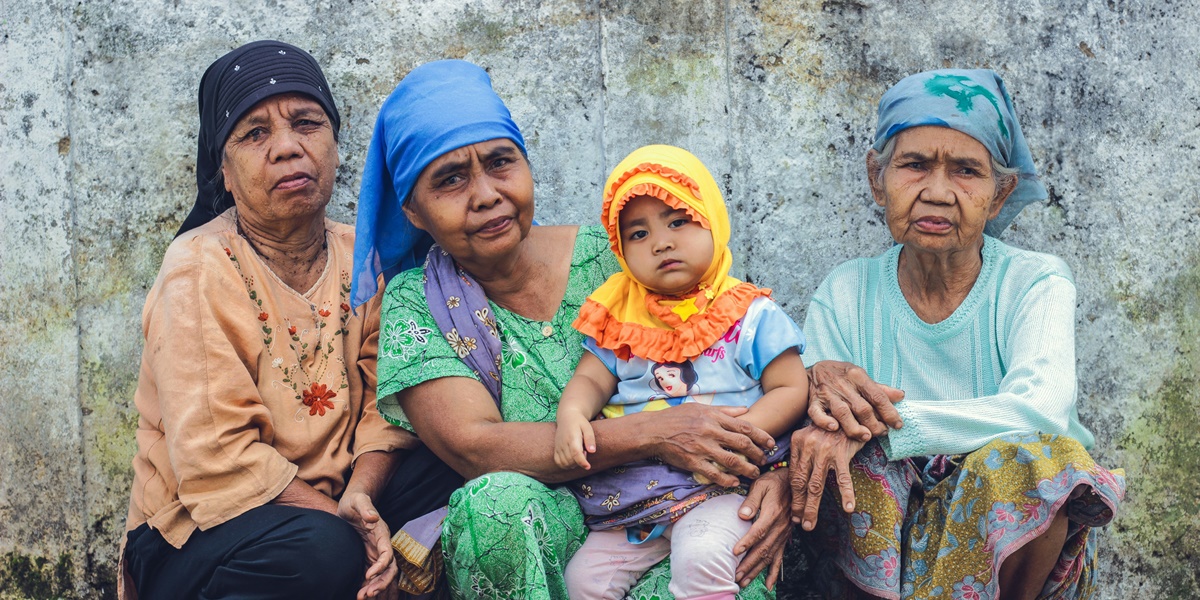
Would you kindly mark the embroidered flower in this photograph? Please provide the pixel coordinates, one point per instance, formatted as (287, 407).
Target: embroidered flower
(345, 307)
(324, 312)
(585, 490)
(228, 252)
(462, 345)
(278, 362)
(318, 399)
(653, 484)
(453, 302)
(291, 330)
(262, 316)
(613, 501)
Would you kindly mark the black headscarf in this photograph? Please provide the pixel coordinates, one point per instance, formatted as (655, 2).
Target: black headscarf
(232, 86)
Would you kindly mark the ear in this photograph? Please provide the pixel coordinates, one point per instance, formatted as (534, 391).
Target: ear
(873, 171)
(414, 216)
(225, 171)
(1002, 196)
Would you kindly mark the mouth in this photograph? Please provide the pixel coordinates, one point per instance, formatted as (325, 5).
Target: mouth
(496, 225)
(293, 181)
(933, 224)
(669, 264)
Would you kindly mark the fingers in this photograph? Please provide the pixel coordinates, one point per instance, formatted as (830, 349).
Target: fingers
(816, 412)
(840, 408)
(709, 470)
(841, 465)
(589, 437)
(879, 396)
(743, 438)
(379, 552)
(775, 573)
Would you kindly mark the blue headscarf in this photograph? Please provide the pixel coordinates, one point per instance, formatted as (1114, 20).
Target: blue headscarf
(438, 107)
(976, 103)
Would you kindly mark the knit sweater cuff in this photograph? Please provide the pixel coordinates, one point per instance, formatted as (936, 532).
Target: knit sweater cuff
(906, 441)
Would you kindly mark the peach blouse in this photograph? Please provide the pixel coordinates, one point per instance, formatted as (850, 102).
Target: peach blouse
(246, 383)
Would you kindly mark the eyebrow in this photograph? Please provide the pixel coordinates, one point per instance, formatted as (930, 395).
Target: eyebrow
(961, 161)
(662, 215)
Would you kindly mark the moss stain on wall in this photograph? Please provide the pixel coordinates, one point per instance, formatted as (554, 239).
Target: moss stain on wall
(1161, 516)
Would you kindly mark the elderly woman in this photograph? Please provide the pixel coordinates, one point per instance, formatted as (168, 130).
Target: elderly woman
(987, 489)
(477, 345)
(256, 392)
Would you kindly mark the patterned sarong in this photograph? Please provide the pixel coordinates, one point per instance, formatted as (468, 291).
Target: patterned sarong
(941, 529)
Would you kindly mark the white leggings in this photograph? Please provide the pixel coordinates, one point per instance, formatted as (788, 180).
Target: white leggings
(700, 544)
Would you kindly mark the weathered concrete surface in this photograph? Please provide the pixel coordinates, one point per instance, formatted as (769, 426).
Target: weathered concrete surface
(97, 139)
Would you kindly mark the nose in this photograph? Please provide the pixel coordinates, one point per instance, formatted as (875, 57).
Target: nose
(662, 242)
(484, 191)
(285, 145)
(938, 188)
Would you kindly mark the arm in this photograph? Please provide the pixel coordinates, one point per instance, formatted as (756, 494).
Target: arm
(1037, 393)
(371, 474)
(785, 397)
(583, 397)
(841, 394)
(473, 438)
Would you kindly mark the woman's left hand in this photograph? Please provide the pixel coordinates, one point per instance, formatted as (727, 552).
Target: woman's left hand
(768, 504)
(357, 509)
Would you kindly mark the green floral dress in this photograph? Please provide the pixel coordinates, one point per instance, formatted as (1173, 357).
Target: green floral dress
(507, 535)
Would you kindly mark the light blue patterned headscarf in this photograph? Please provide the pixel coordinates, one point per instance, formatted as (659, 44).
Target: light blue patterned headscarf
(438, 107)
(976, 103)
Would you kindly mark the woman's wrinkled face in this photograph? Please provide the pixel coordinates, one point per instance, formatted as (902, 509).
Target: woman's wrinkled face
(281, 160)
(670, 381)
(664, 248)
(476, 201)
(938, 190)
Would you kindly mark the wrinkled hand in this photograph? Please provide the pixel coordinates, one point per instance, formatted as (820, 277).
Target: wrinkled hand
(696, 438)
(573, 440)
(816, 452)
(357, 509)
(768, 505)
(841, 395)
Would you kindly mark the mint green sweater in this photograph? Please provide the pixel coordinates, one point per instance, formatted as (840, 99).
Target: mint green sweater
(1004, 362)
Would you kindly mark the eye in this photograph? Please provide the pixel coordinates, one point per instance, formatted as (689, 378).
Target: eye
(501, 162)
(680, 222)
(636, 234)
(914, 165)
(449, 181)
(969, 171)
(307, 124)
(255, 135)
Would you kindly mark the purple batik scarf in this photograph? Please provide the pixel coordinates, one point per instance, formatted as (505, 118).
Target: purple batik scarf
(461, 310)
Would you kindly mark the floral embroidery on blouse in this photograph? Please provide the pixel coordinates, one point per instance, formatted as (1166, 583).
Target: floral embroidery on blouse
(310, 352)
(400, 340)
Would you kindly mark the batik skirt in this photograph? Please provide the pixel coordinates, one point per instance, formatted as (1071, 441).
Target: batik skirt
(940, 527)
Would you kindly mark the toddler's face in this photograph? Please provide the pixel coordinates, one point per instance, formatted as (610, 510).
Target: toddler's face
(665, 249)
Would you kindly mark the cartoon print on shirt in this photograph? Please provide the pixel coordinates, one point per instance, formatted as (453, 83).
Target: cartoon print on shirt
(677, 383)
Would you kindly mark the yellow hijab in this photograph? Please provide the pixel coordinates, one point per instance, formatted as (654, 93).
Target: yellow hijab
(623, 315)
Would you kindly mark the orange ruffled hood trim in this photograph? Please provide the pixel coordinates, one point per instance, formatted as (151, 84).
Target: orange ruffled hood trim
(623, 315)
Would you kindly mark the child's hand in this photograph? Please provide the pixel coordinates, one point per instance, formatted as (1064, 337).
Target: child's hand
(573, 440)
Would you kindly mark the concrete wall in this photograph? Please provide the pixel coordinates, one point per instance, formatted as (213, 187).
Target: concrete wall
(97, 142)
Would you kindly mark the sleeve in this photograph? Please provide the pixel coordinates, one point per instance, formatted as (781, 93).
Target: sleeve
(769, 331)
(825, 337)
(373, 433)
(212, 415)
(412, 350)
(606, 356)
(1037, 393)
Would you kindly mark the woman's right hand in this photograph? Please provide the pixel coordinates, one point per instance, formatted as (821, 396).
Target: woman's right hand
(697, 438)
(842, 396)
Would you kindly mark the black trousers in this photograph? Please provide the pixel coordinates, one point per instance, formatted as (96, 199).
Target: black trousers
(275, 551)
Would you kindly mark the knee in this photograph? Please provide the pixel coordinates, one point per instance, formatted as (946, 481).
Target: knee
(514, 489)
(323, 538)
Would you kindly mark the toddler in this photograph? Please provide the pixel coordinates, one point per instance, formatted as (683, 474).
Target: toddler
(671, 327)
